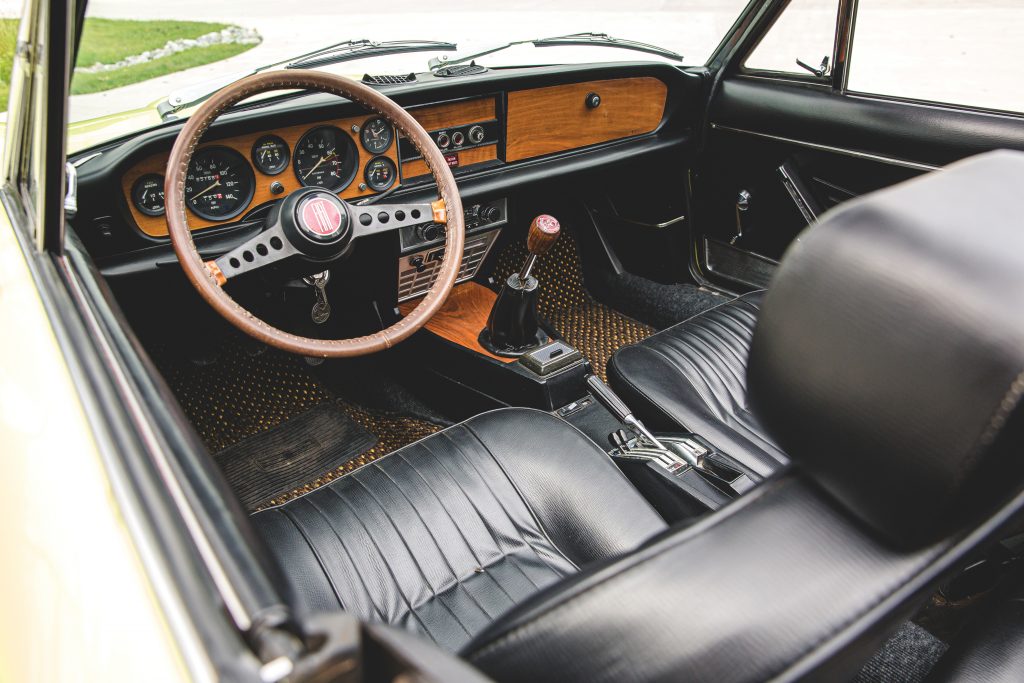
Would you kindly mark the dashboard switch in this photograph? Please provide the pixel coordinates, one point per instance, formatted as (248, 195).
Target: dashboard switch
(489, 214)
(593, 100)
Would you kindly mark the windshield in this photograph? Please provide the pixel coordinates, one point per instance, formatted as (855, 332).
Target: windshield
(133, 54)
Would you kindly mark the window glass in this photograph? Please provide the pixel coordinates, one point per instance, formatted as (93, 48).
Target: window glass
(940, 50)
(806, 31)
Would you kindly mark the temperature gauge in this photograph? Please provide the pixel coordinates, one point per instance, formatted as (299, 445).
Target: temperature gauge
(148, 194)
(270, 154)
(380, 174)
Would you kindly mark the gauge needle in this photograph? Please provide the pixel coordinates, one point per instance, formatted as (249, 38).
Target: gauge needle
(200, 194)
(317, 164)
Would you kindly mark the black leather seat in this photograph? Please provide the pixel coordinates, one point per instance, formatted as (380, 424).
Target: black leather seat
(888, 362)
(446, 534)
(693, 377)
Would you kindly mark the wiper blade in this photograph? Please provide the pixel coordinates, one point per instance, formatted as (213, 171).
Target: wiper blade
(358, 49)
(587, 38)
(347, 50)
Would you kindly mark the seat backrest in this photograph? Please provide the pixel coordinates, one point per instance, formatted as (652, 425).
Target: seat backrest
(888, 359)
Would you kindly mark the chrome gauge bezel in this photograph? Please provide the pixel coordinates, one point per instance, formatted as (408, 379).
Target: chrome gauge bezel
(246, 175)
(350, 160)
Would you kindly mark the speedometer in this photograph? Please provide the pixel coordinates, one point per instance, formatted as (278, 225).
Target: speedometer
(220, 183)
(326, 157)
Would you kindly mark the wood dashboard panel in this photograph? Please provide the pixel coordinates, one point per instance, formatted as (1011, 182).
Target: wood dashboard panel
(556, 118)
(462, 317)
(467, 157)
(156, 226)
(458, 113)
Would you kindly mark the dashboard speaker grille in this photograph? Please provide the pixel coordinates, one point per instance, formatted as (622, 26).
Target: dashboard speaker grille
(387, 79)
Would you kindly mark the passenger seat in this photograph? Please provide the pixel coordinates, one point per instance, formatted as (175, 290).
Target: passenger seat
(693, 377)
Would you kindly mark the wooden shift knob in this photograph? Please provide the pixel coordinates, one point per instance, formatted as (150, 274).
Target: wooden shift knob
(544, 231)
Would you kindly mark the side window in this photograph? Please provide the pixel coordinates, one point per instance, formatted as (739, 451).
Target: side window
(940, 51)
(805, 30)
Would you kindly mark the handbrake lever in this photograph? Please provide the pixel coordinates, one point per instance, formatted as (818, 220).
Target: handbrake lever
(610, 400)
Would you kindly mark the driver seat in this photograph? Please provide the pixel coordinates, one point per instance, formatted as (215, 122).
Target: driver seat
(446, 534)
(888, 361)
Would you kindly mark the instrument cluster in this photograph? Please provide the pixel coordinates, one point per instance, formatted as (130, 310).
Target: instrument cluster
(221, 182)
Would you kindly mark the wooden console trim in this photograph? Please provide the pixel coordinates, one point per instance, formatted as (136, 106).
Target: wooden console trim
(556, 118)
(467, 157)
(458, 113)
(156, 226)
(462, 317)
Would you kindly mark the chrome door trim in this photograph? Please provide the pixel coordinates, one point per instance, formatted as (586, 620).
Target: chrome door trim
(829, 148)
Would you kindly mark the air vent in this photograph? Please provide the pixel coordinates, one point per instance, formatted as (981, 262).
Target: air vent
(460, 70)
(388, 80)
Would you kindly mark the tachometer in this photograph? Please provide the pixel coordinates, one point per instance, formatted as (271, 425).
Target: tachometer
(270, 154)
(380, 174)
(326, 157)
(148, 194)
(220, 183)
(376, 136)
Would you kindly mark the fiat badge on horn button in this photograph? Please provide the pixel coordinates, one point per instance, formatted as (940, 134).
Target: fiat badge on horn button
(321, 217)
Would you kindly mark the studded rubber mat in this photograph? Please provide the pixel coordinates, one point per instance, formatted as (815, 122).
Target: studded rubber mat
(242, 396)
(593, 328)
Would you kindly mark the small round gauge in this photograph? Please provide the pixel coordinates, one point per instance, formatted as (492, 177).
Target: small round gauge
(377, 136)
(270, 154)
(380, 174)
(326, 157)
(148, 194)
(220, 183)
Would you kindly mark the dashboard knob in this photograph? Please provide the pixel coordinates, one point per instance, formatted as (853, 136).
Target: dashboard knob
(476, 134)
(489, 214)
(443, 140)
(593, 100)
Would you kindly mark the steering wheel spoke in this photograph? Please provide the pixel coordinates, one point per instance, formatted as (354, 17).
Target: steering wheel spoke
(270, 246)
(377, 218)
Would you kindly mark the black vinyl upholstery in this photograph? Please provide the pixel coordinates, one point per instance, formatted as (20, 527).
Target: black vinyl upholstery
(693, 377)
(446, 534)
(892, 340)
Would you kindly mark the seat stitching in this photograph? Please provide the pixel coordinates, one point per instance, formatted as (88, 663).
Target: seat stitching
(526, 503)
(348, 554)
(457, 581)
(529, 509)
(448, 514)
(412, 556)
(319, 560)
(487, 525)
(383, 560)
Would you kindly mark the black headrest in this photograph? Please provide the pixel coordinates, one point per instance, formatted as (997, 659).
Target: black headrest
(888, 360)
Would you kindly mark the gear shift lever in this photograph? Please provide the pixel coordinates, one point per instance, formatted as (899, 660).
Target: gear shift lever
(512, 327)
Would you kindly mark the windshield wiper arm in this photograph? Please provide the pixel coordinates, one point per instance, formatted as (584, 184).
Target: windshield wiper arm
(358, 49)
(587, 38)
(347, 50)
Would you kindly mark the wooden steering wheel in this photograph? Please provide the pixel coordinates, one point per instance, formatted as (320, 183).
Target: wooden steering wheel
(312, 222)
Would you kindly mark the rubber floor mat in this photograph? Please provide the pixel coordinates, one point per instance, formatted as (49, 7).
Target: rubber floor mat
(593, 328)
(245, 397)
(293, 453)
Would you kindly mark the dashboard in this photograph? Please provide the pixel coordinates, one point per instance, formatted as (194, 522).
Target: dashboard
(501, 132)
(360, 156)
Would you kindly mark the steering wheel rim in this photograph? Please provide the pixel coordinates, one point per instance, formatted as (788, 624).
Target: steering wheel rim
(208, 278)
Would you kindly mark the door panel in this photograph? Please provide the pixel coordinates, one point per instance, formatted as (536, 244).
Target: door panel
(829, 147)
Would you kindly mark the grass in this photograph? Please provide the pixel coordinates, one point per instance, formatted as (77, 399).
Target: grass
(83, 83)
(8, 38)
(108, 41)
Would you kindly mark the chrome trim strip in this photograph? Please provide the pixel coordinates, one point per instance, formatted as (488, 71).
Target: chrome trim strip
(828, 148)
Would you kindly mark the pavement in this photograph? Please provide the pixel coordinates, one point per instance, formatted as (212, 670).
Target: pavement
(976, 59)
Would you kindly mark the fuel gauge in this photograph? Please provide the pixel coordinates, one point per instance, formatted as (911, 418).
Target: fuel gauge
(270, 154)
(380, 174)
(148, 194)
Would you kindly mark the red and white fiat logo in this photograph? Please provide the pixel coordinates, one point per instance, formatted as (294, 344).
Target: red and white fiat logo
(321, 217)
